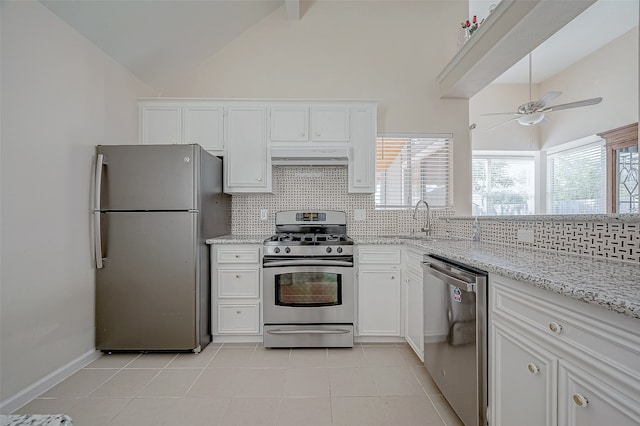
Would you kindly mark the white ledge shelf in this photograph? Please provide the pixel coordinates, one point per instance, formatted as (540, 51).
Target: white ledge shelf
(508, 34)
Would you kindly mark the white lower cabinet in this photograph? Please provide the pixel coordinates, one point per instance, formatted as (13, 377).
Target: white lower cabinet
(236, 277)
(557, 361)
(414, 314)
(378, 291)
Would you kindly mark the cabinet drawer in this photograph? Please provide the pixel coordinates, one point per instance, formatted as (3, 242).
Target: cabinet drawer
(238, 283)
(609, 337)
(238, 255)
(378, 255)
(239, 318)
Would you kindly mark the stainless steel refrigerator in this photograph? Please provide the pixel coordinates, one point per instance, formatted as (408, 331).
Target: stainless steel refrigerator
(155, 205)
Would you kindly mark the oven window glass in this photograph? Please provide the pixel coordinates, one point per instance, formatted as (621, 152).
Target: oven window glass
(308, 289)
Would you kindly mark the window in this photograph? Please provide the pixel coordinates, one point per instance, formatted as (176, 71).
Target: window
(576, 178)
(413, 167)
(503, 185)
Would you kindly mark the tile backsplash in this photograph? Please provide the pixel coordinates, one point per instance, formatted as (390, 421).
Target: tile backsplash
(325, 188)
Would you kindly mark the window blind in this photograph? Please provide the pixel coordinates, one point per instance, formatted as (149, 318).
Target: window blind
(503, 185)
(576, 180)
(413, 167)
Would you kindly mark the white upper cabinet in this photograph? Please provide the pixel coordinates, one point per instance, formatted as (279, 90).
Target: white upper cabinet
(247, 165)
(182, 122)
(289, 123)
(362, 158)
(330, 123)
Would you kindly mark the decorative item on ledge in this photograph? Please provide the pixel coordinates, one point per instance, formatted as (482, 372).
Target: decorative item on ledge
(469, 27)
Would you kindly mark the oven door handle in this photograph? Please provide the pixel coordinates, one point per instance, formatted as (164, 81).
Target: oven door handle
(310, 331)
(306, 262)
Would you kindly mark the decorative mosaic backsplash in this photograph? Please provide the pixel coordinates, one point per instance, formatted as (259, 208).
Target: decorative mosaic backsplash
(326, 188)
(323, 188)
(614, 240)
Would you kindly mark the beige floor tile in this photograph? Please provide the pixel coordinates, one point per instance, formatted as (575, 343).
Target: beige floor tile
(411, 411)
(232, 356)
(47, 406)
(152, 360)
(266, 357)
(96, 411)
(113, 360)
(351, 382)
(216, 383)
(410, 356)
(172, 411)
(171, 382)
(252, 411)
(354, 411)
(260, 382)
(346, 357)
(426, 381)
(383, 356)
(305, 411)
(303, 357)
(397, 381)
(306, 382)
(126, 383)
(446, 412)
(191, 360)
(80, 384)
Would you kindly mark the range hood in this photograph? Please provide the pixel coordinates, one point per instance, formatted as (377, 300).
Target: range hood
(309, 156)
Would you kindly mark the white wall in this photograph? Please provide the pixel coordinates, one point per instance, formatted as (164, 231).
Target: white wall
(391, 51)
(60, 97)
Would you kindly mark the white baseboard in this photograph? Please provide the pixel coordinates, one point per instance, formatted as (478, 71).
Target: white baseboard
(379, 339)
(31, 392)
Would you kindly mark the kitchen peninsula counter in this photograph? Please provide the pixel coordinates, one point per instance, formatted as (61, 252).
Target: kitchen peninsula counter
(611, 284)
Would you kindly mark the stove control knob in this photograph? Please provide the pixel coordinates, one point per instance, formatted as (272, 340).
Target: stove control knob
(287, 250)
(339, 249)
(328, 249)
(276, 250)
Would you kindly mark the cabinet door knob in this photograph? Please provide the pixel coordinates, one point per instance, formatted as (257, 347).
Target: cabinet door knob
(580, 401)
(237, 275)
(238, 312)
(555, 327)
(533, 369)
(259, 179)
(237, 256)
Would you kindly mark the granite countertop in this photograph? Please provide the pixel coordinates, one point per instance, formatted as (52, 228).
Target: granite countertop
(611, 284)
(35, 420)
(238, 239)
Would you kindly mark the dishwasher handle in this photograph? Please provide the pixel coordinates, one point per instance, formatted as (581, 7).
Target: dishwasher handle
(450, 277)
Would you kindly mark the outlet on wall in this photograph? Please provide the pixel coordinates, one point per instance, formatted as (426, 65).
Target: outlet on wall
(264, 214)
(525, 235)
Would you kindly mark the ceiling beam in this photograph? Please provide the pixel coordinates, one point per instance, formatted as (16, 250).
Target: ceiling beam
(508, 34)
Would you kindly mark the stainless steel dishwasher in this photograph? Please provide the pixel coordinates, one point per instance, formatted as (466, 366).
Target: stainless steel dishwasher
(455, 335)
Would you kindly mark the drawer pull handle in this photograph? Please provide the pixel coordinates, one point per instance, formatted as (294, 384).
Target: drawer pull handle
(533, 369)
(580, 400)
(555, 327)
(238, 312)
(237, 275)
(237, 256)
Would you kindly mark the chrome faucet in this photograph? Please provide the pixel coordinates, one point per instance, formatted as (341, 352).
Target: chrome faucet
(427, 227)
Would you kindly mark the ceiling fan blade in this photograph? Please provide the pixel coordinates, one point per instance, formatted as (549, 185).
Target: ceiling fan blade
(502, 113)
(586, 102)
(543, 101)
(502, 124)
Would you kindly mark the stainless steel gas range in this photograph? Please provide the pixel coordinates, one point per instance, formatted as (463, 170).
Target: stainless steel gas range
(309, 290)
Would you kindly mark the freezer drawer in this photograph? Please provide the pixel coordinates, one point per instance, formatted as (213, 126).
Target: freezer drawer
(148, 289)
(148, 177)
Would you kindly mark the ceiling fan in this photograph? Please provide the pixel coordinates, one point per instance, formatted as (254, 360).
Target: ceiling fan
(533, 112)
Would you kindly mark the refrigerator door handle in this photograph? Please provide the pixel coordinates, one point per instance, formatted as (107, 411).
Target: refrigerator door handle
(97, 237)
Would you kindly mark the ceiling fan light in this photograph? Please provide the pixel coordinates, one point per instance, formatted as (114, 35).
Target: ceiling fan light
(531, 119)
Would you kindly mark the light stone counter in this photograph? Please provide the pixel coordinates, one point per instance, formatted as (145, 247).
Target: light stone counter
(238, 239)
(36, 420)
(612, 284)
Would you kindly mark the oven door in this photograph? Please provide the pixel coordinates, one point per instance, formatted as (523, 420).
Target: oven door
(309, 291)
